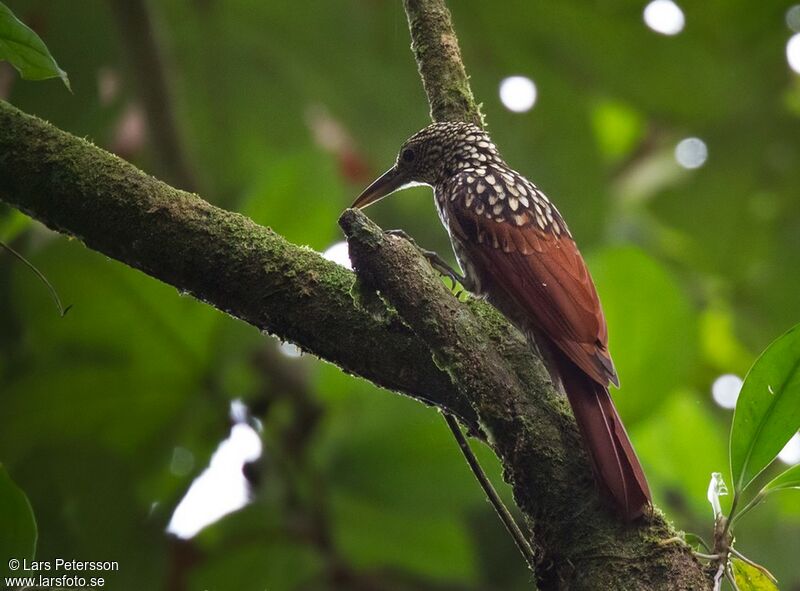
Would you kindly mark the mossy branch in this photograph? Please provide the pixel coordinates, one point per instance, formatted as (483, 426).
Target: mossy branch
(581, 543)
(221, 258)
(435, 47)
(526, 419)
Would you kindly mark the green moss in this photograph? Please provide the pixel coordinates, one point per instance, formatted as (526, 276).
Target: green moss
(527, 423)
(220, 257)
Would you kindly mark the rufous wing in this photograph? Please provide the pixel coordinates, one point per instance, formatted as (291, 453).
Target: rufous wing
(537, 263)
(517, 242)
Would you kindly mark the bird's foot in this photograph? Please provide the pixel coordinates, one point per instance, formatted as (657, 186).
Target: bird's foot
(437, 262)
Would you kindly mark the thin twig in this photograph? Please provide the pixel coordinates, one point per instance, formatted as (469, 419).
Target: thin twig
(704, 543)
(707, 556)
(62, 311)
(755, 565)
(731, 578)
(502, 511)
(719, 576)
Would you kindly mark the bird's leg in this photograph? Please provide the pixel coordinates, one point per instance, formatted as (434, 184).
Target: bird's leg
(435, 261)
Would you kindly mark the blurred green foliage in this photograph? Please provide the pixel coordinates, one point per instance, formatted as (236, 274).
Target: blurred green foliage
(18, 537)
(286, 110)
(25, 50)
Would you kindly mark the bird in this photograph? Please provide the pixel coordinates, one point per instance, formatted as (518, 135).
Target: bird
(516, 251)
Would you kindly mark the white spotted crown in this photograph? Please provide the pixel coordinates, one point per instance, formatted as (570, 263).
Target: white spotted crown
(465, 168)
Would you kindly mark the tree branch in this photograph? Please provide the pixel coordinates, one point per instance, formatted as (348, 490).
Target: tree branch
(220, 257)
(526, 419)
(435, 47)
(528, 424)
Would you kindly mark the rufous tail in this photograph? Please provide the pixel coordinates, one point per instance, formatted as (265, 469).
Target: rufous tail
(616, 467)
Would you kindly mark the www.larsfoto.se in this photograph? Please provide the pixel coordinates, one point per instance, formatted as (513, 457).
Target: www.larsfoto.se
(63, 581)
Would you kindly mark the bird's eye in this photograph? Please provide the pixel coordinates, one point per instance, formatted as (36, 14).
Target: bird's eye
(408, 155)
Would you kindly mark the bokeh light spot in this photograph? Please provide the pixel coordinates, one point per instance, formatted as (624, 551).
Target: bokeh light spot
(222, 487)
(182, 461)
(790, 454)
(664, 16)
(691, 152)
(793, 52)
(339, 254)
(793, 18)
(518, 93)
(725, 390)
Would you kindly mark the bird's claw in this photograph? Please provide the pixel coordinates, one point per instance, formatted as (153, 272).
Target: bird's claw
(435, 261)
(441, 266)
(402, 234)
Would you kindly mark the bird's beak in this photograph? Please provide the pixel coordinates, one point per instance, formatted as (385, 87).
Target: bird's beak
(387, 183)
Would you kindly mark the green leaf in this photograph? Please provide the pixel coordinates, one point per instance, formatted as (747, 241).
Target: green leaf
(18, 531)
(652, 328)
(768, 410)
(25, 50)
(750, 578)
(788, 479)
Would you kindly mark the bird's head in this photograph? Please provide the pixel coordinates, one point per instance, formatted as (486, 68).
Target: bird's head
(430, 156)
